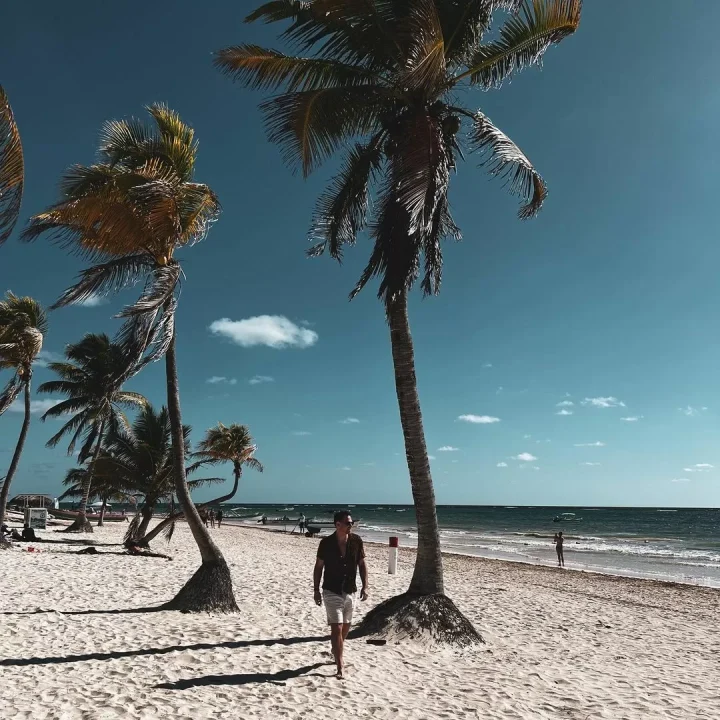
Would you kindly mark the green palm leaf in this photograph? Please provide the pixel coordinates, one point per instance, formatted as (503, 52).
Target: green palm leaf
(12, 169)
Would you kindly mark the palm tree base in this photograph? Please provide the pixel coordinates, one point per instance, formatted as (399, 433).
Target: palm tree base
(431, 618)
(208, 590)
(79, 525)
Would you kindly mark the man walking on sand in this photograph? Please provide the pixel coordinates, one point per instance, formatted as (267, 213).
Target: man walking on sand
(558, 540)
(340, 556)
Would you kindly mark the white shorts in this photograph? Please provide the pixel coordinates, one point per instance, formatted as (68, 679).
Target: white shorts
(339, 607)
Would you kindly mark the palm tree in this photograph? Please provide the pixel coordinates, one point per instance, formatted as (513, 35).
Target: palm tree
(140, 459)
(92, 380)
(232, 443)
(221, 444)
(131, 212)
(23, 324)
(12, 169)
(390, 74)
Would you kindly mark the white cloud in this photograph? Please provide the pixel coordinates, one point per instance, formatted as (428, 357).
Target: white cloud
(565, 403)
(370, 464)
(502, 464)
(92, 301)
(704, 465)
(527, 437)
(274, 331)
(479, 419)
(36, 406)
(564, 411)
(499, 390)
(349, 421)
(300, 433)
(698, 468)
(535, 467)
(590, 464)
(221, 380)
(524, 457)
(447, 448)
(431, 457)
(595, 444)
(680, 480)
(603, 402)
(632, 418)
(691, 411)
(259, 379)
(345, 468)
(45, 357)
(487, 365)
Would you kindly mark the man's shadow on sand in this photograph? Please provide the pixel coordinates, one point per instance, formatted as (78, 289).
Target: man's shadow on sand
(277, 678)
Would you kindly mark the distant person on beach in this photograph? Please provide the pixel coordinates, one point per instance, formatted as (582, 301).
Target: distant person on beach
(301, 524)
(558, 540)
(211, 516)
(339, 557)
(219, 517)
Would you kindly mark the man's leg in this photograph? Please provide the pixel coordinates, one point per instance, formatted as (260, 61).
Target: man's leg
(345, 630)
(337, 640)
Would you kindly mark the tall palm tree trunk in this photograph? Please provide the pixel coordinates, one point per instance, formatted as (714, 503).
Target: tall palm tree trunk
(424, 609)
(81, 523)
(210, 588)
(101, 519)
(428, 574)
(5, 492)
(147, 513)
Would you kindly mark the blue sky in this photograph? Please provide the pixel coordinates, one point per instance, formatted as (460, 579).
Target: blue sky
(608, 300)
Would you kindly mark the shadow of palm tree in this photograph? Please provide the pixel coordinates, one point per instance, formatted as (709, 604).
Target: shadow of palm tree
(118, 654)
(277, 678)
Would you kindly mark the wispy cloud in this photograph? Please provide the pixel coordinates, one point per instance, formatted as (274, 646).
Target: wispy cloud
(691, 411)
(699, 468)
(431, 457)
(564, 412)
(259, 379)
(525, 457)
(349, 421)
(274, 331)
(346, 468)
(502, 464)
(604, 402)
(565, 403)
(527, 437)
(221, 380)
(370, 464)
(487, 365)
(680, 480)
(92, 301)
(36, 406)
(590, 464)
(45, 357)
(499, 390)
(633, 418)
(479, 419)
(595, 444)
(300, 433)
(447, 448)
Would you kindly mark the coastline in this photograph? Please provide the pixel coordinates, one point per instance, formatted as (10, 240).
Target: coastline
(558, 644)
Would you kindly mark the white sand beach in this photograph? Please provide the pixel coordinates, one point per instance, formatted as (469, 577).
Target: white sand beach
(559, 645)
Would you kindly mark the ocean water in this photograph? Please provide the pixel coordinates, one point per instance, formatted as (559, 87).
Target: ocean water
(681, 545)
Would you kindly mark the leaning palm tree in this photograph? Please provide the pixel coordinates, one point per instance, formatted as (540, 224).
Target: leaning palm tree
(92, 379)
(131, 212)
(12, 169)
(23, 324)
(231, 443)
(392, 75)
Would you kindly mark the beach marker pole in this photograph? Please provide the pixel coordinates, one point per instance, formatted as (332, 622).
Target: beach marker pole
(393, 559)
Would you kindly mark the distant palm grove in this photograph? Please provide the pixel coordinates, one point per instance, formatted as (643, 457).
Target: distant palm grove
(382, 83)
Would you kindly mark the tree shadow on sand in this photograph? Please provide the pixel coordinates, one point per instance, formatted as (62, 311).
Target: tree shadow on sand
(277, 678)
(119, 654)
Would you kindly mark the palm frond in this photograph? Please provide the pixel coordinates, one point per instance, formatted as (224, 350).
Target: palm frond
(178, 140)
(265, 69)
(107, 278)
(76, 424)
(309, 126)
(131, 398)
(425, 69)
(12, 169)
(159, 287)
(341, 211)
(524, 39)
(504, 158)
(199, 208)
(10, 392)
(253, 463)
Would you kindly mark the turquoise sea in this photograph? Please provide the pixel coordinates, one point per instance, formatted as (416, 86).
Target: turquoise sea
(672, 544)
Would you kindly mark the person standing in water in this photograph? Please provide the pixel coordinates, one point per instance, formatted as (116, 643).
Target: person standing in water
(558, 540)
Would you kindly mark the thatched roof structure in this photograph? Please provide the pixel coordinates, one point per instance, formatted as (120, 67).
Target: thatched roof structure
(33, 500)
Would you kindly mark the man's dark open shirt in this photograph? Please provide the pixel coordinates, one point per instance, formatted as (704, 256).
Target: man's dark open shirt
(340, 571)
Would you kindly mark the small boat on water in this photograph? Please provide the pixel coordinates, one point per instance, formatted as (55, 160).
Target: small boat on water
(566, 517)
(93, 513)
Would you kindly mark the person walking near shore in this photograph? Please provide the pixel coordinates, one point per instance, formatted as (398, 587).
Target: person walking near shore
(558, 540)
(219, 517)
(339, 557)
